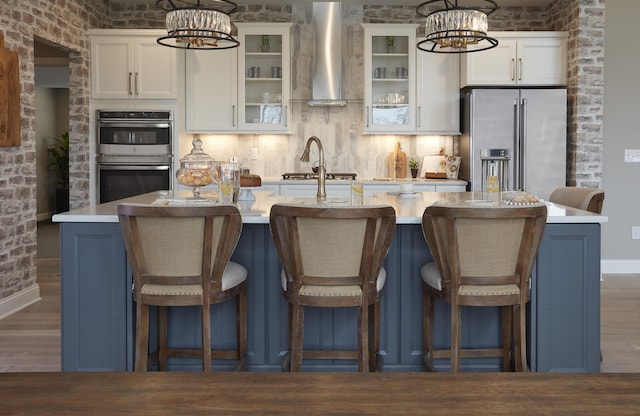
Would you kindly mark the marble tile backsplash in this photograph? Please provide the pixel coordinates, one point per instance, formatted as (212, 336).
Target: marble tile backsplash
(366, 155)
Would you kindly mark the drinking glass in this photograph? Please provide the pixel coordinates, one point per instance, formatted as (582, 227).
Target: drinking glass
(229, 184)
(357, 192)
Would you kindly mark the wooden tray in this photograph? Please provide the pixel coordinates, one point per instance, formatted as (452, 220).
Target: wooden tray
(435, 175)
(9, 97)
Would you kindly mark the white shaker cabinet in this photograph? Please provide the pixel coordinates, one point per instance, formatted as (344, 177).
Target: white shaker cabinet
(438, 93)
(264, 77)
(211, 97)
(241, 90)
(408, 91)
(389, 77)
(521, 58)
(130, 64)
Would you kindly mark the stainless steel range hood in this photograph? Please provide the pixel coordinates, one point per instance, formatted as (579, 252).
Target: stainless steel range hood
(327, 55)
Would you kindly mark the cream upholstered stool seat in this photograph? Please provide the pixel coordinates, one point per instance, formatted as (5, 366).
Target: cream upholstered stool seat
(180, 256)
(586, 199)
(483, 256)
(333, 257)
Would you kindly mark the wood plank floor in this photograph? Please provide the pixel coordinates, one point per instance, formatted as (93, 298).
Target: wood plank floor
(30, 338)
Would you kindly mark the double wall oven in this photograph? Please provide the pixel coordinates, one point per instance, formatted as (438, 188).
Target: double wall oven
(134, 153)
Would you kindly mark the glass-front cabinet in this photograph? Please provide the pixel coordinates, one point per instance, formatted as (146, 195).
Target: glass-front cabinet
(264, 76)
(390, 53)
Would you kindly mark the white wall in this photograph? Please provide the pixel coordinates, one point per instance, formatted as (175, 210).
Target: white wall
(621, 110)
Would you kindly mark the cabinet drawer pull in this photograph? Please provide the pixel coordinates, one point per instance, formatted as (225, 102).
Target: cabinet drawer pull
(513, 70)
(130, 74)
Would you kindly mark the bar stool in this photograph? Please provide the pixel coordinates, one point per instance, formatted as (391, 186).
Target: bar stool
(333, 257)
(483, 256)
(587, 199)
(180, 256)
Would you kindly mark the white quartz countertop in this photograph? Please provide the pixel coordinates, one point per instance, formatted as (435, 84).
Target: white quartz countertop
(409, 208)
(381, 180)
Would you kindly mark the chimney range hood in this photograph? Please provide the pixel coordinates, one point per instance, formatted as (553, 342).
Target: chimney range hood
(327, 55)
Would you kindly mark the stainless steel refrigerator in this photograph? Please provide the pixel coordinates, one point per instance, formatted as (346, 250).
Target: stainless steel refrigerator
(518, 134)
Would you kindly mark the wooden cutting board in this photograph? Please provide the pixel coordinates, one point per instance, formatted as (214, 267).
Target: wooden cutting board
(398, 163)
(10, 134)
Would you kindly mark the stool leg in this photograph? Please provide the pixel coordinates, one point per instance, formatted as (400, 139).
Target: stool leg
(455, 337)
(142, 336)
(363, 339)
(427, 330)
(241, 328)
(163, 343)
(374, 337)
(206, 337)
(520, 346)
(297, 335)
(507, 318)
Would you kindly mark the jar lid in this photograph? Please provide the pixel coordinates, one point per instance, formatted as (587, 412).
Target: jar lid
(197, 158)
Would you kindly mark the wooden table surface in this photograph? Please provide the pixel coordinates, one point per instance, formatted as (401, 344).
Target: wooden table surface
(318, 393)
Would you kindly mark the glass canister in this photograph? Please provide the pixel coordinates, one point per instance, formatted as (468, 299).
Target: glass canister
(197, 169)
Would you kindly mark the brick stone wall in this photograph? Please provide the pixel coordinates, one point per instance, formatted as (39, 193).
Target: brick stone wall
(63, 23)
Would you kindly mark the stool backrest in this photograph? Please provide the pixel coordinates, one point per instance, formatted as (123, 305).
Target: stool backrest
(332, 246)
(173, 246)
(484, 246)
(587, 199)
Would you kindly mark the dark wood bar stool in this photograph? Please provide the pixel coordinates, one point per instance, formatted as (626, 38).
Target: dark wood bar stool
(180, 256)
(333, 257)
(483, 256)
(587, 199)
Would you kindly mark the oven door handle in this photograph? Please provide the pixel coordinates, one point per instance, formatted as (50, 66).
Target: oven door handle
(118, 166)
(127, 125)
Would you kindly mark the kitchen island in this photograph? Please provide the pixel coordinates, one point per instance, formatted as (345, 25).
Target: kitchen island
(98, 316)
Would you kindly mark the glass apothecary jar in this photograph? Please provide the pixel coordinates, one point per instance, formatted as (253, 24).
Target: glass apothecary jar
(197, 169)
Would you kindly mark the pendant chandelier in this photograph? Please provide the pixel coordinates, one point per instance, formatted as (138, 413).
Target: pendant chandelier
(198, 24)
(453, 28)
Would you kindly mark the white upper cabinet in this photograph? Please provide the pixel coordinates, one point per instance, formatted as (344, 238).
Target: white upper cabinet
(241, 90)
(408, 91)
(438, 93)
(211, 97)
(264, 77)
(129, 64)
(521, 58)
(389, 77)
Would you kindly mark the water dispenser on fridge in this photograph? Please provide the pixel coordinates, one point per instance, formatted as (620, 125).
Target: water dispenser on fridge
(495, 162)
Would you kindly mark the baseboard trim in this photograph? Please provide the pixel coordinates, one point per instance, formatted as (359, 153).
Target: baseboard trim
(620, 266)
(13, 303)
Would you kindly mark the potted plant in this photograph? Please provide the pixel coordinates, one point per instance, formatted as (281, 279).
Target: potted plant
(264, 46)
(390, 43)
(413, 165)
(59, 155)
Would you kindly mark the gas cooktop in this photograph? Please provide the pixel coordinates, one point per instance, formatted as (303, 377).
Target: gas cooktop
(309, 175)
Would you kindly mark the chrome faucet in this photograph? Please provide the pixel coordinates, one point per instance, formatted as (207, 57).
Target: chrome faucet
(321, 169)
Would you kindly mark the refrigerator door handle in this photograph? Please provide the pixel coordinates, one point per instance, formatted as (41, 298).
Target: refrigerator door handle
(517, 183)
(523, 141)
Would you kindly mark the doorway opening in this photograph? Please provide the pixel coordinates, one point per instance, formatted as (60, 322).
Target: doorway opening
(52, 127)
